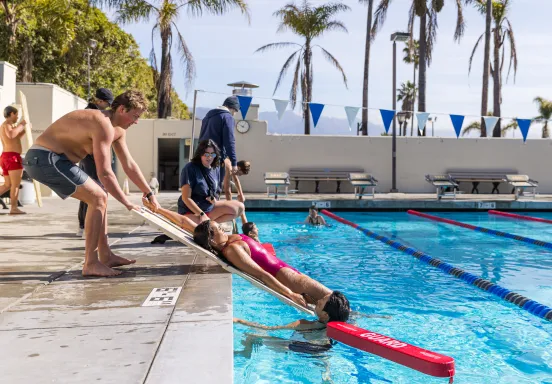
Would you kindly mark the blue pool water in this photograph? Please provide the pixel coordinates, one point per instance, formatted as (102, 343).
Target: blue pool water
(491, 340)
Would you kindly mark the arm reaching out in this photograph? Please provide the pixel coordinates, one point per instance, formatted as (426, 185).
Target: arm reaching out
(296, 325)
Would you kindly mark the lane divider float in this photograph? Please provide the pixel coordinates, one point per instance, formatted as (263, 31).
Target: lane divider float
(521, 301)
(488, 231)
(520, 217)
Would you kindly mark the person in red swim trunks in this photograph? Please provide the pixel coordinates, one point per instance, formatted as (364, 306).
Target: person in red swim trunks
(10, 160)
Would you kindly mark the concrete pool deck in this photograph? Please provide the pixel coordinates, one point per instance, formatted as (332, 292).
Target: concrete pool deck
(58, 327)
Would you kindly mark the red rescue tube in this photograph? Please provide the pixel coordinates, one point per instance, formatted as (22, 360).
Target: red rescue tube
(270, 248)
(430, 363)
(520, 217)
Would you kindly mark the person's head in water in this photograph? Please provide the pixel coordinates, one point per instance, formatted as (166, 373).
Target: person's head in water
(243, 167)
(207, 154)
(11, 114)
(333, 307)
(210, 236)
(313, 211)
(251, 230)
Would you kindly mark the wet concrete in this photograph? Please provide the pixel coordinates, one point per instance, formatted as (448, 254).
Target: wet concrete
(59, 327)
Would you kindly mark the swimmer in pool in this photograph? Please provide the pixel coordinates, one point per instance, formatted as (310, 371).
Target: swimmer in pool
(250, 257)
(314, 218)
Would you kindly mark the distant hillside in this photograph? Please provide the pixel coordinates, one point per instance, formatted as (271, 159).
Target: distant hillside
(292, 123)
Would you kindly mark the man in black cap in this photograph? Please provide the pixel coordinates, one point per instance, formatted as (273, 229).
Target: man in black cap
(101, 101)
(218, 125)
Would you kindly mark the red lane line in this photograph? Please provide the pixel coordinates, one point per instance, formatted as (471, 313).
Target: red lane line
(441, 219)
(340, 219)
(520, 217)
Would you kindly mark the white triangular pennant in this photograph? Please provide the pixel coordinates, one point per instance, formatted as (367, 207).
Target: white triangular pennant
(422, 120)
(281, 106)
(352, 113)
(490, 122)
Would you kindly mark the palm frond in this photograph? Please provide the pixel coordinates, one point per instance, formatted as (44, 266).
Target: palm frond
(460, 24)
(153, 58)
(512, 126)
(135, 11)
(114, 4)
(411, 19)
(335, 63)
(272, 46)
(336, 25)
(474, 126)
(186, 59)
(432, 26)
(379, 16)
(217, 7)
(513, 51)
(473, 52)
(284, 70)
(294, 84)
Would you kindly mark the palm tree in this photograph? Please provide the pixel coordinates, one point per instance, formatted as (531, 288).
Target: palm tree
(502, 32)
(308, 22)
(545, 113)
(411, 56)
(486, 64)
(369, 37)
(427, 11)
(475, 126)
(407, 93)
(166, 13)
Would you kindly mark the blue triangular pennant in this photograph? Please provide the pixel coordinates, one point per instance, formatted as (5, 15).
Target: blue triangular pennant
(524, 125)
(316, 111)
(387, 117)
(245, 102)
(457, 121)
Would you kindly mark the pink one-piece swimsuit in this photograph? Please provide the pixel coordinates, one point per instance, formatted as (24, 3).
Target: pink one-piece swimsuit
(263, 258)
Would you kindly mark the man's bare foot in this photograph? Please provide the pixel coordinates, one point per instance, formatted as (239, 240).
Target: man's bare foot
(17, 211)
(115, 261)
(98, 269)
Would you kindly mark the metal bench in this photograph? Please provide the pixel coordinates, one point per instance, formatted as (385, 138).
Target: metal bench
(322, 174)
(476, 177)
(443, 184)
(276, 179)
(520, 183)
(360, 181)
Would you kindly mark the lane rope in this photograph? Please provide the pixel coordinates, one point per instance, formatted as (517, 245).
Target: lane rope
(488, 231)
(520, 217)
(531, 306)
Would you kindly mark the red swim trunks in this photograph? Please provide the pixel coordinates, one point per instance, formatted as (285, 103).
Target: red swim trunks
(10, 161)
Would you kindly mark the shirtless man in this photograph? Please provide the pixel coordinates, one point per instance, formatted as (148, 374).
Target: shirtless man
(52, 162)
(10, 160)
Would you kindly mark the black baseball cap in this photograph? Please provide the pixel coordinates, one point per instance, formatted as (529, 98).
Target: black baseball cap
(105, 95)
(232, 102)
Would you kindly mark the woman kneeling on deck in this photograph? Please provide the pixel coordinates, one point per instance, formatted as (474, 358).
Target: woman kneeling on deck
(200, 184)
(250, 257)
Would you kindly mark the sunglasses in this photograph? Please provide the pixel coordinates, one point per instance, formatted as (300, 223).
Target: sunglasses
(207, 155)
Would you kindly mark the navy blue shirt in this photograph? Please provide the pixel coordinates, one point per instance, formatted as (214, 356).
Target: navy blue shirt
(194, 176)
(218, 125)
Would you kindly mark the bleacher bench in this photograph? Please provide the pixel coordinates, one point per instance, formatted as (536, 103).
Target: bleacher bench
(477, 177)
(322, 174)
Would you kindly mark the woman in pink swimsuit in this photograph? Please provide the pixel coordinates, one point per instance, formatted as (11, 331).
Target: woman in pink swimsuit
(250, 257)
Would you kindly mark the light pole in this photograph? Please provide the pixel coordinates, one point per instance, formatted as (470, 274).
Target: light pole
(92, 44)
(432, 120)
(401, 116)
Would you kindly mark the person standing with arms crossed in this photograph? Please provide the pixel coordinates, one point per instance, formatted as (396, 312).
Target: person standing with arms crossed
(52, 161)
(10, 160)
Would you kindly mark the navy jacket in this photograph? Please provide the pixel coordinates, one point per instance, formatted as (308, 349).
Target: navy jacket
(218, 125)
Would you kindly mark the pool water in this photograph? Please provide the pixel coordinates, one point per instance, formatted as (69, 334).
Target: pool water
(491, 340)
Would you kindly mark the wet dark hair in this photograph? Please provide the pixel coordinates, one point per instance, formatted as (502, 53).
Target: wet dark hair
(202, 148)
(247, 227)
(337, 307)
(9, 110)
(203, 234)
(244, 166)
(314, 208)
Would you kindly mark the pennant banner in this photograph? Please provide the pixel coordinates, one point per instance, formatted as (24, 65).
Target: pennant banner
(422, 120)
(316, 111)
(351, 116)
(457, 121)
(490, 122)
(524, 125)
(387, 117)
(245, 102)
(281, 106)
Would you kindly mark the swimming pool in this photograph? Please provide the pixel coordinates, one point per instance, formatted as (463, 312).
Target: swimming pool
(492, 341)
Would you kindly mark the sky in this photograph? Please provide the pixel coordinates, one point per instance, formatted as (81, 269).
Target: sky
(224, 51)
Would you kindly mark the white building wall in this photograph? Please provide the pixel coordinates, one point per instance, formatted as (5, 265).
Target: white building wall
(416, 157)
(8, 73)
